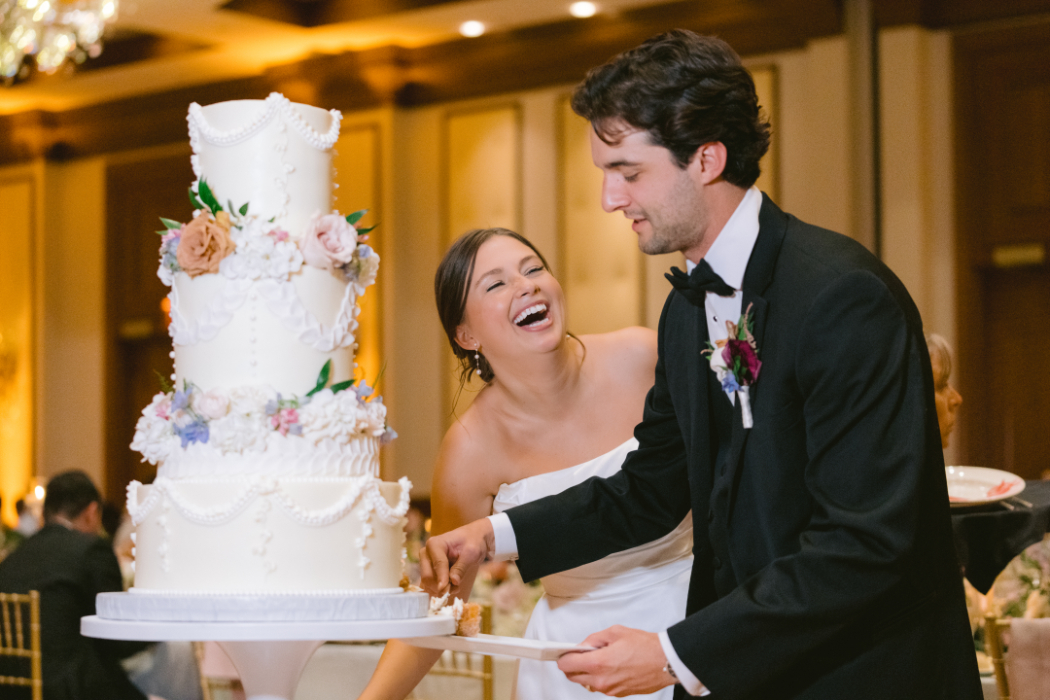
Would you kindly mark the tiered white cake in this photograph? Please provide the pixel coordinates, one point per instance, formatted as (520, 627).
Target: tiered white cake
(267, 446)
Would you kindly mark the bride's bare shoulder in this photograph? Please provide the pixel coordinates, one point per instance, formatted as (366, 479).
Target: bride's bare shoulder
(467, 450)
(628, 352)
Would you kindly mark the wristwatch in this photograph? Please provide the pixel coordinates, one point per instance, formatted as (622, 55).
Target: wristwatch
(669, 670)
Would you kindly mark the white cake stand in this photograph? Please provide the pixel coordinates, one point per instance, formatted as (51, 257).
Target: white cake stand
(270, 656)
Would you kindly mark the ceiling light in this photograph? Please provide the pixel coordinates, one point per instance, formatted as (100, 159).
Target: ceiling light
(582, 9)
(472, 28)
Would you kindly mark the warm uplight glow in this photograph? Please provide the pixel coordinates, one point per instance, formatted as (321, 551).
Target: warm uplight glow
(582, 9)
(472, 28)
(39, 492)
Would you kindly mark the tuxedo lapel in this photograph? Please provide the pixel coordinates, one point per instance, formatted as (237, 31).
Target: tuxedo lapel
(772, 226)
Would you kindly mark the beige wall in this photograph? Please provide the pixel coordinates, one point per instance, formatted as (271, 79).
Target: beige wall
(20, 203)
(71, 418)
(812, 141)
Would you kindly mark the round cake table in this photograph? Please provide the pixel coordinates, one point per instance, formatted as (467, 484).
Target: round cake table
(270, 656)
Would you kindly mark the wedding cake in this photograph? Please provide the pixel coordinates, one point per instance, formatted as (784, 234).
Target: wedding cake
(266, 442)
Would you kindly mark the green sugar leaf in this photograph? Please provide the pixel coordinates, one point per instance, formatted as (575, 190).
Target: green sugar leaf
(243, 210)
(342, 386)
(356, 216)
(165, 384)
(363, 231)
(169, 224)
(322, 378)
(208, 197)
(197, 204)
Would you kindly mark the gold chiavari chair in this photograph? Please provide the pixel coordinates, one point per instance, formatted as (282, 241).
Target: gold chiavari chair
(993, 643)
(464, 664)
(1022, 671)
(20, 643)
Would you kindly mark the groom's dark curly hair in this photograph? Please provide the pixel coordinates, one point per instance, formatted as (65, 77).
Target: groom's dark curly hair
(685, 90)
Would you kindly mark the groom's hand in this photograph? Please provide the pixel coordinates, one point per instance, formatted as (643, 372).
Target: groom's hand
(461, 549)
(626, 662)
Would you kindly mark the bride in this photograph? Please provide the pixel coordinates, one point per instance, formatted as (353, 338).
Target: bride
(555, 410)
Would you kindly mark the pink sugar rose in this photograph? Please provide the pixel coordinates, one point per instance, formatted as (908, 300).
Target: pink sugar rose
(162, 408)
(285, 420)
(211, 404)
(329, 242)
(204, 243)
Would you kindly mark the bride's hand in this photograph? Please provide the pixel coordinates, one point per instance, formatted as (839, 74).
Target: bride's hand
(626, 662)
(448, 557)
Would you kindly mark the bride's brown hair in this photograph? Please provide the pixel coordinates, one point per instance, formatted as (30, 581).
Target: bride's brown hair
(451, 284)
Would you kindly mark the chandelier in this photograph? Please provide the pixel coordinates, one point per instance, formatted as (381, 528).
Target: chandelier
(51, 31)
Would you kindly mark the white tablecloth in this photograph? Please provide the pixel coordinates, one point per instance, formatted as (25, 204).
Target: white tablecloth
(342, 671)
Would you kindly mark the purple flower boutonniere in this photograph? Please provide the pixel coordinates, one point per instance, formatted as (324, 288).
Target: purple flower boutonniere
(735, 362)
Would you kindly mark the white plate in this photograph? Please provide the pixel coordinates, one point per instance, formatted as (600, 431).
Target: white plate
(972, 486)
(489, 644)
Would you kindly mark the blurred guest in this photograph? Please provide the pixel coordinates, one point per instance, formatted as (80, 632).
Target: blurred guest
(946, 397)
(70, 564)
(9, 539)
(27, 521)
(112, 517)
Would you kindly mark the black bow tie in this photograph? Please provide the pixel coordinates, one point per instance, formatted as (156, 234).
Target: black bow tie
(694, 287)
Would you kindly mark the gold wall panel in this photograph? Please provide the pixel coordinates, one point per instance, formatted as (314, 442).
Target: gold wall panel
(482, 188)
(766, 86)
(482, 179)
(358, 174)
(18, 202)
(604, 271)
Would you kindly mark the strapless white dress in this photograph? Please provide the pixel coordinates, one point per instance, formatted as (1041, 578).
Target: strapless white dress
(644, 587)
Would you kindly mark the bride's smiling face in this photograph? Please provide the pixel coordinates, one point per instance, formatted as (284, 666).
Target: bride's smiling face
(513, 301)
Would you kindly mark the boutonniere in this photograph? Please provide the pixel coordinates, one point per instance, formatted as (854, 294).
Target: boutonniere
(735, 362)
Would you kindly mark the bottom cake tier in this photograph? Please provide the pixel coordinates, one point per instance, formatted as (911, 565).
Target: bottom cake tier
(269, 535)
(174, 607)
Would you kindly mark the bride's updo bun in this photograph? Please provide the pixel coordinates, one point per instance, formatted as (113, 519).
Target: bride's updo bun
(451, 283)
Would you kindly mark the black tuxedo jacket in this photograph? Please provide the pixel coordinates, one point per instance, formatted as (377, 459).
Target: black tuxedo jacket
(69, 569)
(824, 565)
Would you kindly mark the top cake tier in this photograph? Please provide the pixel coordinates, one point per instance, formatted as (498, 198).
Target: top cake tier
(272, 153)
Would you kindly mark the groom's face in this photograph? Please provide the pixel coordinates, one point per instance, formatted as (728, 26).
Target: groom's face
(643, 180)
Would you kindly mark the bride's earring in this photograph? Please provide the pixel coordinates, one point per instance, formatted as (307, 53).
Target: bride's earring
(477, 360)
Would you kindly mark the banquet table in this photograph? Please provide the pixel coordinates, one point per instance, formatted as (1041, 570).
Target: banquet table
(987, 537)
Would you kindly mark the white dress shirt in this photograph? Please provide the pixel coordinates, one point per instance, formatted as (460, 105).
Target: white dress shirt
(728, 256)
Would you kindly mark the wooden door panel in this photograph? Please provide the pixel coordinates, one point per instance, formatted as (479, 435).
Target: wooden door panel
(1003, 208)
(138, 192)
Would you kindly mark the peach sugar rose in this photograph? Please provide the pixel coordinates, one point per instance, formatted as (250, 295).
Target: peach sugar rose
(329, 242)
(204, 243)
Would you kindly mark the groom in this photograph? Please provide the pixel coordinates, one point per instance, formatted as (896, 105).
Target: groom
(824, 565)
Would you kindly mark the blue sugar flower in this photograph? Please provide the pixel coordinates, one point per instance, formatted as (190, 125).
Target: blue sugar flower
(181, 400)
(363, 391)
(197, 431)
(388, 436)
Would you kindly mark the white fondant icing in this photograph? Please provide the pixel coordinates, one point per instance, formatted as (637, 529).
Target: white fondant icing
(283, 457)
(298, 325)
(215, 540)
(273, 154)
